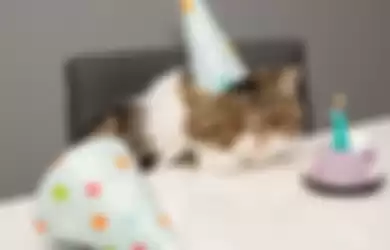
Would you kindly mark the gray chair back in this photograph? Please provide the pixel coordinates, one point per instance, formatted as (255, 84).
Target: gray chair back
(96, 81)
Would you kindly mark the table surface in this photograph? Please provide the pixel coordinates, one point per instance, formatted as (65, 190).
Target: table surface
(258, 208)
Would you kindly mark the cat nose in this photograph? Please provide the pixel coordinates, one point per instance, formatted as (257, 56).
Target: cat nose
(148, 161)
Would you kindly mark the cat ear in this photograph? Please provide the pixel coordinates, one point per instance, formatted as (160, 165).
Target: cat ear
(289, 80)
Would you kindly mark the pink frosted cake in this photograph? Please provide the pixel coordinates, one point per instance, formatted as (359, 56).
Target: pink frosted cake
(344, 169)
(351, 172)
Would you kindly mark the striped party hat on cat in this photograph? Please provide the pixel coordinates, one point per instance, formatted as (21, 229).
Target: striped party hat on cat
(214, 64)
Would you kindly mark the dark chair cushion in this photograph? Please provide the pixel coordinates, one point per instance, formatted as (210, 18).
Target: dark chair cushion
(96, 81)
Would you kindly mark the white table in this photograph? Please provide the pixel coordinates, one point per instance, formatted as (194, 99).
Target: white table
(260, 209)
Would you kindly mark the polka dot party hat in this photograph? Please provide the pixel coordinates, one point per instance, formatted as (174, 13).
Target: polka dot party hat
(212, 59)
(95, 195)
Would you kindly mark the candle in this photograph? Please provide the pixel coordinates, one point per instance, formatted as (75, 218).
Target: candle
(339, 124)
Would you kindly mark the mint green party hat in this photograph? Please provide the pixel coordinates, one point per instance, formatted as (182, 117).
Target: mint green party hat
(212, 59)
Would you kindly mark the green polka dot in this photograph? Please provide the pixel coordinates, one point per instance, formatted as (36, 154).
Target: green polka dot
(60, 193)
(109, 248)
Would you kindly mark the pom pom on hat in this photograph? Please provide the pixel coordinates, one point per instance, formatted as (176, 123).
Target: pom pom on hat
(212, 59)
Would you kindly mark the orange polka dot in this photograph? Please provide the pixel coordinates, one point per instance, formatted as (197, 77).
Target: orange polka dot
(40, 226)
(99, 222)
(122, 162)
(164, 221)
(187, 6)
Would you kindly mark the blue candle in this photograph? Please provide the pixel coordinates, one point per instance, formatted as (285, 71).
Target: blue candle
(339, 126)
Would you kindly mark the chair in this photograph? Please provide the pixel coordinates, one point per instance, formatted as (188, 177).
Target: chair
(97, 80)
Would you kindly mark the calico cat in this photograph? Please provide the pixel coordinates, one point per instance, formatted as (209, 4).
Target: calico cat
(175, 121)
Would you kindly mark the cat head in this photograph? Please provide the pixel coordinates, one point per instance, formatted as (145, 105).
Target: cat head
(273, 105)
(265, 108)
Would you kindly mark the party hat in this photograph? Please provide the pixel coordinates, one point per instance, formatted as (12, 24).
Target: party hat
(95, 193)
(214, 64)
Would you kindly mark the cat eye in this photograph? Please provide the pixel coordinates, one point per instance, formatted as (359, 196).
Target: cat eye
(246, 86)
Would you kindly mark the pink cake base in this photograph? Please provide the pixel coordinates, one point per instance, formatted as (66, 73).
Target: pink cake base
(349, 168)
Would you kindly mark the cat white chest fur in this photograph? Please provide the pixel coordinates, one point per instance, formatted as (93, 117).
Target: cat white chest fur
(164, 114)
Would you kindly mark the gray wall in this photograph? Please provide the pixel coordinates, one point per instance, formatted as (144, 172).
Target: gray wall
(348, 51)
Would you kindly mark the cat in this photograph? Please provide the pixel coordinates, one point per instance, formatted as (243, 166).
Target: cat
(176, 122)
